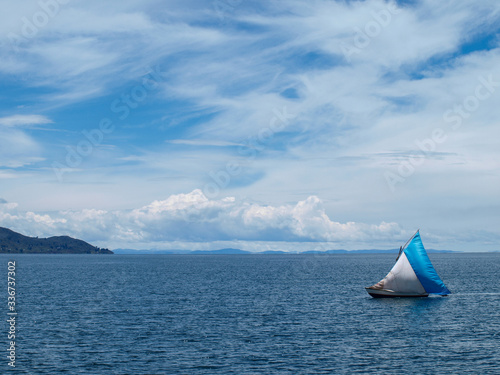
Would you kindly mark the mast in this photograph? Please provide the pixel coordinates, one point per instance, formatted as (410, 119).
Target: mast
(411, 238)
(401, 248)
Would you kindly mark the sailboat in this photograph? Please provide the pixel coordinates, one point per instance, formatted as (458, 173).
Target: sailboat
(412, 276)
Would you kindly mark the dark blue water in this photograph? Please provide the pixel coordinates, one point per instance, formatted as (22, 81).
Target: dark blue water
(248, 314)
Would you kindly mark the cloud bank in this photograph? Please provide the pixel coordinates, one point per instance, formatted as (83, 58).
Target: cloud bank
(194, 218)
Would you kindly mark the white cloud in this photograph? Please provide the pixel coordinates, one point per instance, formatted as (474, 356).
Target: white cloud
(195, 218)
(18, 149)
(85, 51)
(203, 142)
(24, 120)
(7, 205)
(7, 175)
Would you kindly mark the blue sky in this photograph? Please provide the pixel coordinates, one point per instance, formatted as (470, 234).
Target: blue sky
(266, 125)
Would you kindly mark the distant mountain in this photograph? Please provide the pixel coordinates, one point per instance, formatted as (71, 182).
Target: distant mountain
(191, 252)
(16, 243)
(267, 252)
(378, 251)
(327, 251)
(221, 251)
(274, 252)
(133, 251)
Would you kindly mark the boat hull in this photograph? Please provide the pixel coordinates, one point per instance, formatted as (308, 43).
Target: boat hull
(384, 293)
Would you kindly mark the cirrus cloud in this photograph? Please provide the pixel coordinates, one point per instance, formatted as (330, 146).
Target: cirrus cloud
(24, 120)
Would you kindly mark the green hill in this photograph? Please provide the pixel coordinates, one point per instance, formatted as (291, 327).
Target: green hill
(15, 243)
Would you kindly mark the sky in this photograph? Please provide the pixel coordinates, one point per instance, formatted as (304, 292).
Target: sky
(264, 125)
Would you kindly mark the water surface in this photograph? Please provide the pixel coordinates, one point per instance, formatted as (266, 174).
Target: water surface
(249, 314)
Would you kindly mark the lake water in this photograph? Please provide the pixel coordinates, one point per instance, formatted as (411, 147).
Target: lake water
(248, 314)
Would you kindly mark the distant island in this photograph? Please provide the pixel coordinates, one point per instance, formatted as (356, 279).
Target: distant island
(16, 243)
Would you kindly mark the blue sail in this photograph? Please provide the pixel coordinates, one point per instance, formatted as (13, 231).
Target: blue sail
(421, 264)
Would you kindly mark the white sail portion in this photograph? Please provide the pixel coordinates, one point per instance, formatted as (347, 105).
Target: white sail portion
(401, 278)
